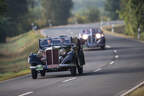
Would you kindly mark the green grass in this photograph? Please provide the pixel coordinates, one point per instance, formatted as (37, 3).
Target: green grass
(10, 75)
(119, 30)
(137, 92)
(14, 54)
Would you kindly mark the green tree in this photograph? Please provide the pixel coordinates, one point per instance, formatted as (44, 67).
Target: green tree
(88, 15)
(93, 15)
(132, 11)
(16, 12)
(112, 7)
(57, 11)
(2, 17)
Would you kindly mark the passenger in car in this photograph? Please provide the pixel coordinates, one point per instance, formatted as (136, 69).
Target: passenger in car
(49, 42)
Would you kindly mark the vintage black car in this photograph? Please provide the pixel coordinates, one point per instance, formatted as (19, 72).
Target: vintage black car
(92, 37)
(57, 54)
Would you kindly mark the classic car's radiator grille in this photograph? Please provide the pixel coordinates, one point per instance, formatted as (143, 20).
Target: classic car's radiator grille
(52, 56)
(55, 57)
(91, 39)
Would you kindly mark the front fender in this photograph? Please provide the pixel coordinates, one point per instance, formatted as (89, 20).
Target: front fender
(69, 58)
(81, 57)
(33, 59)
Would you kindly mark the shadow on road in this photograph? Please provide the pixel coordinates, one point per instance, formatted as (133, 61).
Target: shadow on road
(130, 47)
(116, 71)
(102, 72)
(97, 49)
(56, 76)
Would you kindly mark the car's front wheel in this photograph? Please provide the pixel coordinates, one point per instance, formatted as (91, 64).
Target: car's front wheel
(34, 73)
(80, 70)
(73, 71)
(42, 72)
(103, 47)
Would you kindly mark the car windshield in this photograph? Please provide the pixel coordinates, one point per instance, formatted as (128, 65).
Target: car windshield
(67, 41)
(85, 32)
(43, 43)
(54, 42)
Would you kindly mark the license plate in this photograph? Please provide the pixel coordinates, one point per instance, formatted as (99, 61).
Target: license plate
(39, 67)
(53, 66)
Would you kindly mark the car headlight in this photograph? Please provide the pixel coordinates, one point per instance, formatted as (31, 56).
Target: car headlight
(85, 37)
(98, 35)
(62, 52)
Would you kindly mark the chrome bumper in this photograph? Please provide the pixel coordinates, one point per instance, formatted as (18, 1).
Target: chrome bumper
(59, 66)
(67, 65)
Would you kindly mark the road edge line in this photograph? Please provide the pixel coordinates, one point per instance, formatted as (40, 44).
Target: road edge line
(15, 78)
(132, 89)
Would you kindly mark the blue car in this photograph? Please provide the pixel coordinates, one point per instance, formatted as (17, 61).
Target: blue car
(92, 38)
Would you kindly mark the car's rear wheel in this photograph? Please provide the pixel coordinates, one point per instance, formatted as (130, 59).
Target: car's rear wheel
(34, 73)
(42, 72)
(103, 47)
(80, 70)
(73, 71)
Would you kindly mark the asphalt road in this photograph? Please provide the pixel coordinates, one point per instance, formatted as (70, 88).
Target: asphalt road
(109, 72)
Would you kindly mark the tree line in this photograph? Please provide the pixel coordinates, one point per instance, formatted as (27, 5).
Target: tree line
(131, 11)
(18, 16)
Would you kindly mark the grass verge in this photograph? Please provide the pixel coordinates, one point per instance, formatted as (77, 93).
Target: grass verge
(14, 54)
(138, 92)
(10, 75)
(119, 30)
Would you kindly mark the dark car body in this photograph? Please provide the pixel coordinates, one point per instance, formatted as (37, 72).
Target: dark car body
(92, 37)
(58, 56)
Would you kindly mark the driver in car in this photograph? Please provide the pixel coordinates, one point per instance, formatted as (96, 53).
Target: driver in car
(49, 42)
(62, 40)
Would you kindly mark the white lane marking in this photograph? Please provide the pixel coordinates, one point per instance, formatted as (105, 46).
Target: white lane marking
(69, 79)
(108, 46)
(115, 51)
(27, 93)
(65, 85)
(132, 89)
(117, 56)
(97, 70)
(112, 62)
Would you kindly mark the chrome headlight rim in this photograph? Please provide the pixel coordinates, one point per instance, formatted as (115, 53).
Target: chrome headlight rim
(62, 52)
(98, 36)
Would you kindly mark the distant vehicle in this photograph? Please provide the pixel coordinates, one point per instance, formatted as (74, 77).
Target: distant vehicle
(57, 54)
(93, 37)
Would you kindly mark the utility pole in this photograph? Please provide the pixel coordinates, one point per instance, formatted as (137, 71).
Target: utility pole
(139, 31)
(50, 22)
(112, 28)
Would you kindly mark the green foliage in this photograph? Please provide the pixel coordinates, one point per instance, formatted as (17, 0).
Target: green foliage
(2, 8)
(132, 11)
(2, 19)
(57, 12)
(88, 16)
(14, 53)
(93, 15)
(16, 12)
(80, 5)
(21, 14)
(112, 7)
